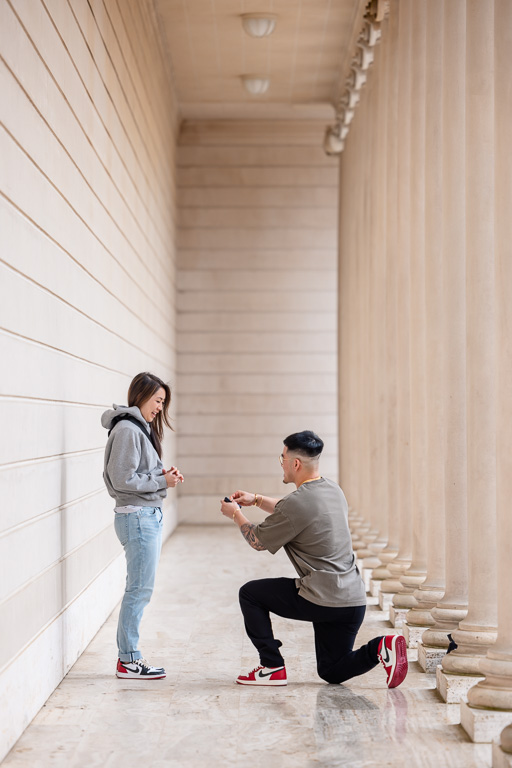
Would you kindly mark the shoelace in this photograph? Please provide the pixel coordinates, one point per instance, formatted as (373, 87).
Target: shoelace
(143, 663)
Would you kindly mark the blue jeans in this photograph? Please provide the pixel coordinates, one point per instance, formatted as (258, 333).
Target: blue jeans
(140, 533)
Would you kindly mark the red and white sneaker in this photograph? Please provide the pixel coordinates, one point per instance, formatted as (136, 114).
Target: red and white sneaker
(392, 654)
(264, 676)
(139, 669)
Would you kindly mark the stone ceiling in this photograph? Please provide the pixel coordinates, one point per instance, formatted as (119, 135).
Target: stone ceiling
(306, 57)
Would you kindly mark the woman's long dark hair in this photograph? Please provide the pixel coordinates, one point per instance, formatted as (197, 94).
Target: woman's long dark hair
(144, 386)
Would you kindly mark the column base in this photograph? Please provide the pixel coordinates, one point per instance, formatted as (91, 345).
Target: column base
(436, 638)
(372, 561)
(420, 618)
(429, 657)
(375, 587)
(500, 759)
(397, 615)
(412, 634)
(398, 567)
(483, 725)
(385, 600)
(453, 688)
(366, 574)
(387, 556)
(381, 573)
(405, 600)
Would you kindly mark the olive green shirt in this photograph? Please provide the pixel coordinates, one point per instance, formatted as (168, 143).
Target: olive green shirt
(312, 525)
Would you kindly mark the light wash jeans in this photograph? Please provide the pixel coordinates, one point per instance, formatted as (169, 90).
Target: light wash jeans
(140, 533)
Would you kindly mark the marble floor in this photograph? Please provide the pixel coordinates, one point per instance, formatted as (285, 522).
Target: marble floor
(198, 717)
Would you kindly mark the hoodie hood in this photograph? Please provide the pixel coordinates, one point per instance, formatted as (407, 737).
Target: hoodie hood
(107, 417)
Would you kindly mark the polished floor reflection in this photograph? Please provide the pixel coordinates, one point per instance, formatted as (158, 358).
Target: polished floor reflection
(198, 717)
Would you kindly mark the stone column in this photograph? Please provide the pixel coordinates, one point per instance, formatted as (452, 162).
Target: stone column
(359, 321)
(495, 691)
(381, 385)
(376, 537)
(403, 559)
(352, 458)
(432, 589)
(453, 607)
(390, 72)
(347, 340)
(415, 574)
(478, 630)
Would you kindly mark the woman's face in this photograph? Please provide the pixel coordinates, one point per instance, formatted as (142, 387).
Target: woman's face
(154, 405)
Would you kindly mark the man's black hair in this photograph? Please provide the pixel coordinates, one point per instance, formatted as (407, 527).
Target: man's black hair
(305, 443)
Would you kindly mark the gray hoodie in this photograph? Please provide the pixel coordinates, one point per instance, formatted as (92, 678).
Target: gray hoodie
(132, 469)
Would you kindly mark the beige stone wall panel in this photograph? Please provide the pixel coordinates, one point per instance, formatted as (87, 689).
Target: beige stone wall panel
(316, 301)
(291, 363)
(254, 424)
(309, 198)
(64, 122)
(307, 404)
(87, 283)
(248, 155)
(271, 219)
(256, 305)
(254, 321)
(313, 259)
(258, 177)
(44, 480)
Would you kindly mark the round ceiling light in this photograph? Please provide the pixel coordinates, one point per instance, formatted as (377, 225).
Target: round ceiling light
(334, 140)
(256, 85)
(259, 24)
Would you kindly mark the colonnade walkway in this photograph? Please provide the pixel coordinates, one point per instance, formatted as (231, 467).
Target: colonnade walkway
(198, 717)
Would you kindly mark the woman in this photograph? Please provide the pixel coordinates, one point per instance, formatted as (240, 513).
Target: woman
(135, 478)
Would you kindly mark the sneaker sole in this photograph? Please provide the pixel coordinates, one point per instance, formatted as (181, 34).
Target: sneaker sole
(132, 676)
(270, 682)
(401, 665)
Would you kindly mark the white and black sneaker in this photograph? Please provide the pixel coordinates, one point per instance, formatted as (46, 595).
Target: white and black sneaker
(139, 669)
(264, 676)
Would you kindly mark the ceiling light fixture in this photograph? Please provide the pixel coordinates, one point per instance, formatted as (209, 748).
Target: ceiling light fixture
(365, 55)
(256, 85)
(357, 77)
(334, 140)
(259, 24)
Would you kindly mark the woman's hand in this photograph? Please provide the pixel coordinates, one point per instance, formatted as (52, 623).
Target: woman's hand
(172, 477)
(243, 498)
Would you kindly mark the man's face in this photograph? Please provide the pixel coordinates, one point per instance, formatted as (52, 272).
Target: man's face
(287, 462)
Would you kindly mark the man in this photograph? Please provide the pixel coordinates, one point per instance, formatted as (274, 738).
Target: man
(311, 524)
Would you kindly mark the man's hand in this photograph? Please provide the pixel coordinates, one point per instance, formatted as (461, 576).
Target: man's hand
(172, 477)
(228, 509)
(243, 498)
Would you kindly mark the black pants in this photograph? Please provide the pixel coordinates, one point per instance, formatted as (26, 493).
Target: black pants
(335, 629)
